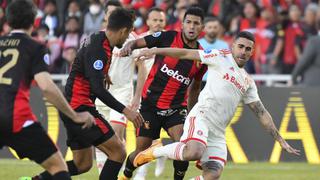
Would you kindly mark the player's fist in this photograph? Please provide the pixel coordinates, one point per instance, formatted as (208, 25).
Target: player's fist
(134, 117)
(85, 118)
(145, 54)
(126, 49)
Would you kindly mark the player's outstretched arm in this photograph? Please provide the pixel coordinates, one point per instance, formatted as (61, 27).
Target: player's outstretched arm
(132, 45)
(54, 96)
(268, 124)
(179, 53)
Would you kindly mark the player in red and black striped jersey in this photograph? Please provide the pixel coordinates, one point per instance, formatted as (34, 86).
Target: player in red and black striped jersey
(23, 60)
(165, 93)
(85, 83)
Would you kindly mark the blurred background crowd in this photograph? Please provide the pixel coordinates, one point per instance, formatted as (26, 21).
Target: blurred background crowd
(281, 27)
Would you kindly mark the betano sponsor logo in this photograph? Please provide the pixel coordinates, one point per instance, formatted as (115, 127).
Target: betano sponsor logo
(234, 81)
(175, 75)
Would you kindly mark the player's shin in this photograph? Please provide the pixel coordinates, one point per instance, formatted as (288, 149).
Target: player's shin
(129, 168)
(173, 151)
(180, 168)
(110, 170)
(73, 170)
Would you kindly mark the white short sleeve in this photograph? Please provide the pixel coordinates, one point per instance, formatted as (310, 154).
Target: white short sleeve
(208, 56)
(251, 94)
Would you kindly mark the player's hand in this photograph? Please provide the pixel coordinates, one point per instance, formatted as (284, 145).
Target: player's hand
(85, 118)
(288, 148)
(134, 117)
(135, 104)
(145, 54)
(126, 50)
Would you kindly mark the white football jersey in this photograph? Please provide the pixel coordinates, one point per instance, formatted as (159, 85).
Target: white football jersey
(121, 70)
(227, 85)
(148, 62)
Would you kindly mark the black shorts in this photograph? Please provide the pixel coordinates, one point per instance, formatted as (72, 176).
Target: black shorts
(160, 118)
(31, 142)
(79, 138)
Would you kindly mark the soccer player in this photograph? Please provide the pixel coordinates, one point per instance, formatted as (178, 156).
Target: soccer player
(204, 130)
(23, 60)
(165, 92)
(121, 74)
(86, 82)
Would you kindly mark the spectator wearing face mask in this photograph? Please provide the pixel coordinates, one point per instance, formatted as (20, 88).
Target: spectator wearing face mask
(93, 18)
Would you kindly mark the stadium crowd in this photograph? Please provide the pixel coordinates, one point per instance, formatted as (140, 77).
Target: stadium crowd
(281, 27)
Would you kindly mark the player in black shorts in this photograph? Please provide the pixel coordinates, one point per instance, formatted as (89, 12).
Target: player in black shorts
(85, 83)
(23, 60)
(165, 92)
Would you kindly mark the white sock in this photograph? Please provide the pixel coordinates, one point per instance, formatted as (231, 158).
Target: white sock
(101, 158)
(173, 151)
(198, 178)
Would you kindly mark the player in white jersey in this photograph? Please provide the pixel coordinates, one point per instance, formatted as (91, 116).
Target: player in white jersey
(121, 74)
(204, 130)
(156, 21)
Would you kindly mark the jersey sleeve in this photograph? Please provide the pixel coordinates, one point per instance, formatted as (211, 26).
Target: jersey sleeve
(209, 57)
(41, 60)
(251, 94)
(160, 39)
(94, 63)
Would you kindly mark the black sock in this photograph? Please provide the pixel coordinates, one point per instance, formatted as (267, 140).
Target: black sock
(180, 168)
(62, 175)
(45, 175)
(110, 170)
(73, 170)
(129, 168)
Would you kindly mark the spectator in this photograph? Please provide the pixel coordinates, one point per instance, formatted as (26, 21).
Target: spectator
(93, 18)
(292, 45)
(72, 35)
(309, 22)
(50, 17)
(181, 8)
(271, 34)
(308, 66)
(64, 63)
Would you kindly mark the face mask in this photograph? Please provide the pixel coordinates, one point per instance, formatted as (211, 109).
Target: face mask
(138, 22)
(77, 14)
(94, 9)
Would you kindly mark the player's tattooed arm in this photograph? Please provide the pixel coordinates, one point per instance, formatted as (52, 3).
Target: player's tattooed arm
(268, 124)
(265, 119)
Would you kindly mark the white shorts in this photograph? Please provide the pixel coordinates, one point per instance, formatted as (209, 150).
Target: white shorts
(196, 128)
(124, 95)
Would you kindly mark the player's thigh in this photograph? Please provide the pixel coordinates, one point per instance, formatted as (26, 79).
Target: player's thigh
(153, 124)
(173, 124)
(33, 142)
(216, 151)
(114, 148)
(79, 138)
(119, 129)
(83, 157)
(195, 129)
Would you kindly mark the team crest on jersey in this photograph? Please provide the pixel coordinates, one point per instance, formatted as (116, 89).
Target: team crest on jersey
(207, 51)
(46, 59)
(156, 34)
(98, 65)
(200, 133)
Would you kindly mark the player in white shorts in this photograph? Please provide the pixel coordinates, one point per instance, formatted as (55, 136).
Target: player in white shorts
(204, 130)
(121, 75)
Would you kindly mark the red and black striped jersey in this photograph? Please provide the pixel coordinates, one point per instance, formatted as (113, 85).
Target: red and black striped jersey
(86, 81)
(20, 59)
(168, 81)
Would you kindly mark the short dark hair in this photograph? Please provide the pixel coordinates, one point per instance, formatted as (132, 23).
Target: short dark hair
(247, 35)
(157, 9)
(120, 18)
(211, 19)
(112, 3)
(196, 11)
(20, 14)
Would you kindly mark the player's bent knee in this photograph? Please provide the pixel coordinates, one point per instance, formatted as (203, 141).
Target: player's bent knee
(212, 170)
(84, 167)
(193, 151)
